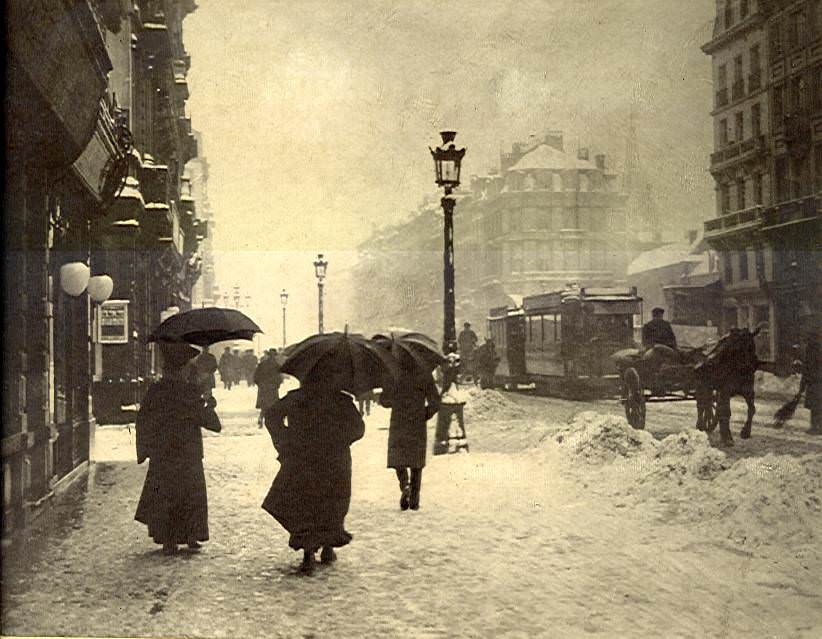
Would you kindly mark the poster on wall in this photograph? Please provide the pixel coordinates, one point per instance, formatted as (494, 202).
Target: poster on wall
(113, 324)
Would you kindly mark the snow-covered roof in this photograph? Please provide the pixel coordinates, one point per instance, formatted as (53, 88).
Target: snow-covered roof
(661, 257)
(546, 157)
(704, 266)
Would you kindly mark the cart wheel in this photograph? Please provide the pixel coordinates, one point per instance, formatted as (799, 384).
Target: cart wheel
(634, 399)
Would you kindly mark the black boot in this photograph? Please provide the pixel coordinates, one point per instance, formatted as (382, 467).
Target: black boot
(405, 489)
(328, 555)
(309, 562)
(416, 483)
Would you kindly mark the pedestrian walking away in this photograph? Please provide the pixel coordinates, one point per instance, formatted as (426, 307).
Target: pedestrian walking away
(311, 493)
(226, 367)
(413, 400)
(467, 343)
(174, 504)
(248, 366)
(268, 379)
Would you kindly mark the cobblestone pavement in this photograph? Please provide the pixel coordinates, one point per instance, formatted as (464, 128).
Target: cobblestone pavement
(503, 546)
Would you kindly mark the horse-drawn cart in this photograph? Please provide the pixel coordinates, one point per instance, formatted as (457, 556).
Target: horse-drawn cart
(661, 374)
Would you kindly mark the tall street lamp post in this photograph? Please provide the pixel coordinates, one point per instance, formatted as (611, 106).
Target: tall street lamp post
(320, 266)
(447, 161)
(284, 301)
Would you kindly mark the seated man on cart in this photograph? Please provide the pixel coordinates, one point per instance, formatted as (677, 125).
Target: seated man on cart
(658, 331)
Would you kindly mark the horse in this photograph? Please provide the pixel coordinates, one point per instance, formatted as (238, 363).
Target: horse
(728, 370)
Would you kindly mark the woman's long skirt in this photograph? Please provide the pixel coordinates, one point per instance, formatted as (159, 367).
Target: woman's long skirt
(174, 504)
(310, 499)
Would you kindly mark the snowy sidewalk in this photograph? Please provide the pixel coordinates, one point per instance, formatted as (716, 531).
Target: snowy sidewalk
(503, 546)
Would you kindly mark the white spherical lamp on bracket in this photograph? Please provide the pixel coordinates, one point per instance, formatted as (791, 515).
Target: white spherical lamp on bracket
(74, 277)
(100, 288)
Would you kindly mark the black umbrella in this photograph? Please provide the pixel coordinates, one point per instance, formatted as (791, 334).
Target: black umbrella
(422, 349)
(205, 326)
(359, 363)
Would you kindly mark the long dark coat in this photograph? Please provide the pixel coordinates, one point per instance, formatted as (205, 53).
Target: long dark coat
(413, 400)
(174, 503)
(812, 375)
(311, 493)
(268, 378)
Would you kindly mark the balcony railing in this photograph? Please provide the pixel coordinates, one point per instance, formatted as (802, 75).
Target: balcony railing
(731, 221)
(738, 90)
(739, 150)
(799, 210)
(722, 97)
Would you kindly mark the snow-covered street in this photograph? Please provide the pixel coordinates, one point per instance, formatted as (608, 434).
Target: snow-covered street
(544, 529)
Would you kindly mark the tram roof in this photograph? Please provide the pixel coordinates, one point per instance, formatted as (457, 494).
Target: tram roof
(555, 299)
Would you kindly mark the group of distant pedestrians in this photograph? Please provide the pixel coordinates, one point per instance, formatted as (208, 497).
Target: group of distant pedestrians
(235, 366)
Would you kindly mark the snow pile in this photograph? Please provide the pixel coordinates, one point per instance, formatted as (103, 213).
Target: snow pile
(770, 498)
(597, 438)
(688, 454)
(769, 384)
(754, 501)
(489, 405)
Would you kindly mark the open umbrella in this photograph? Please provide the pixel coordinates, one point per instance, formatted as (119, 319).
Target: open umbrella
(422, 349)
(359, 363)
(205, 326)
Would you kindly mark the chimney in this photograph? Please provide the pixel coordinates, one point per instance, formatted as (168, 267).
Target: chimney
(554, 140)
(582, 154)
(600, 160)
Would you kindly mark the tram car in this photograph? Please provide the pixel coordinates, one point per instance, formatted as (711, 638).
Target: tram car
(561, 342)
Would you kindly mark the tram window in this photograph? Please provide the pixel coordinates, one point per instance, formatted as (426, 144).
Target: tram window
(557, 328)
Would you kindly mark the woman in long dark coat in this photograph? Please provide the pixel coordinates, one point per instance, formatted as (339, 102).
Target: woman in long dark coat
(312, 490)
(413, 400)
(174, 504)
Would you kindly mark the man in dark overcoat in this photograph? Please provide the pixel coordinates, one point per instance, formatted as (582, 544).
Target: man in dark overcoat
(658, 331)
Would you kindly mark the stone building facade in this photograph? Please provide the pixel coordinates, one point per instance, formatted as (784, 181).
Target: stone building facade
(96, 143)
(767, 164)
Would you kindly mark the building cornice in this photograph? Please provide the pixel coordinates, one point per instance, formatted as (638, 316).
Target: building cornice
(753, 21)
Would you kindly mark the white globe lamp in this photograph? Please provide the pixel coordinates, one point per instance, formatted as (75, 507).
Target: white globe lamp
(100, 288)
(74, 278)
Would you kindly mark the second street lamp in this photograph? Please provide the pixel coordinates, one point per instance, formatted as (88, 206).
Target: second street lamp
(320, 266)
(447, 164)
(284, 301)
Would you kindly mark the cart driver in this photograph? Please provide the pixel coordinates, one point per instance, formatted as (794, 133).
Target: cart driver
(658, 331)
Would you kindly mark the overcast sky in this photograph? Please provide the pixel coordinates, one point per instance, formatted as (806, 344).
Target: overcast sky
(316, 116)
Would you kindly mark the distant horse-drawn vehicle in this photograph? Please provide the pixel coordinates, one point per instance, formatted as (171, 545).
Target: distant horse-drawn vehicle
(662, 374)
(708, 376)
(578, 343)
